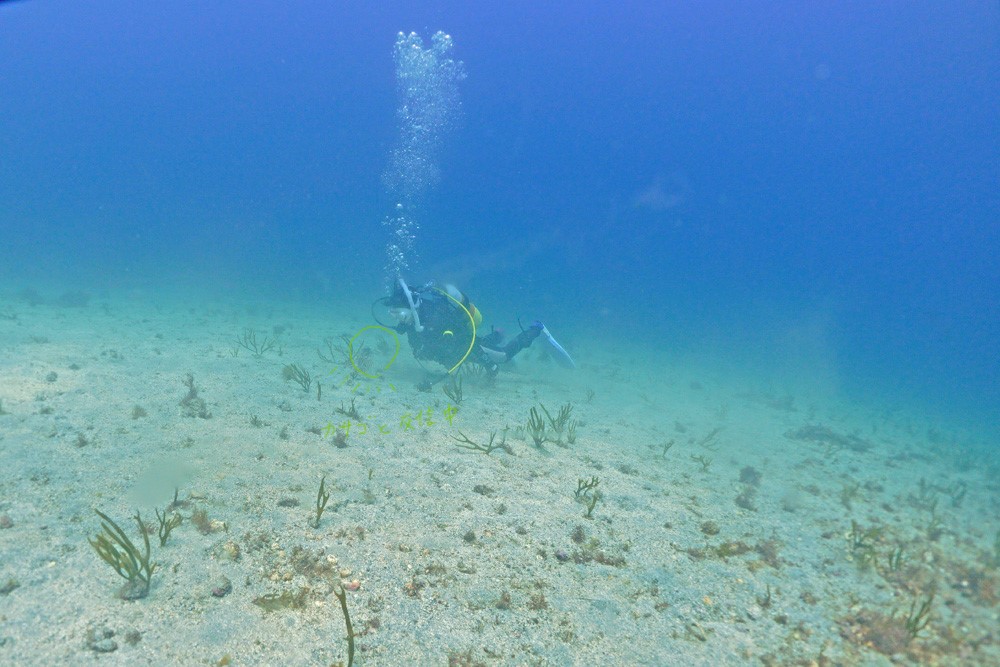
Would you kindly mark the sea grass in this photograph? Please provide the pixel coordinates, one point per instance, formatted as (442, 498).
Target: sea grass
(342, 596)
(117, 550)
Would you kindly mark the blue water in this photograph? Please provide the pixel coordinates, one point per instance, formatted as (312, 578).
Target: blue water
(787, 187)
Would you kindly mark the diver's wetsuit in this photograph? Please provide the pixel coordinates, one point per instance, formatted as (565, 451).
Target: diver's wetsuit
(447, 330)
(492, 352)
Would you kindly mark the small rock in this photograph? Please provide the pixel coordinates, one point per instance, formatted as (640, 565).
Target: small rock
(100, 640)
(106, 645)
(6, 521)
(222, 587)
(697, 631)
(562, 556)
(134, 590)
(231, 550)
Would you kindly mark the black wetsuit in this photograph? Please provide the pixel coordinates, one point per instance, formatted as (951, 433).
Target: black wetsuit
(447, 332)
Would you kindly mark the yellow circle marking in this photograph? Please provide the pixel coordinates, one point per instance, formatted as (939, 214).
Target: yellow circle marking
(395, 352)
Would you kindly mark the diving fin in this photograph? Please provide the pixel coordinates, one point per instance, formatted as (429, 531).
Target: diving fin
(556, 350)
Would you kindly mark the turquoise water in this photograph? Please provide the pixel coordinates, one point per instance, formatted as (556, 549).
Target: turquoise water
(759, 219)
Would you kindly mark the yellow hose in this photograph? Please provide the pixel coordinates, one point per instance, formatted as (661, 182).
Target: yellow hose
(472, 321)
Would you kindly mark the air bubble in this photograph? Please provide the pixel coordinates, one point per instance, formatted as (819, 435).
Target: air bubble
(429, 105)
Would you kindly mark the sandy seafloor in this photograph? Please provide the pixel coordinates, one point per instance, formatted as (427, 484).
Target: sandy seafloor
(460, 558)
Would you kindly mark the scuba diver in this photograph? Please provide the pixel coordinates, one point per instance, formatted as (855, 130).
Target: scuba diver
(443, 326)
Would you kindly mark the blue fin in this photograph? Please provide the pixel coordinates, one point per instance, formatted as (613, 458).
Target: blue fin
(557, 351)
